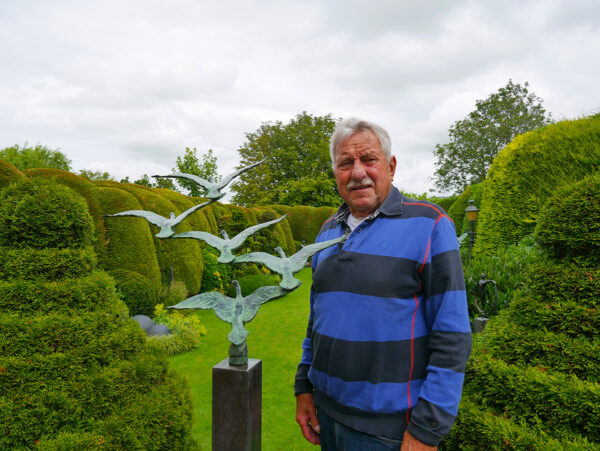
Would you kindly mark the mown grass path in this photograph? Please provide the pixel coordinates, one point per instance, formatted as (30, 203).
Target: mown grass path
(276, 336)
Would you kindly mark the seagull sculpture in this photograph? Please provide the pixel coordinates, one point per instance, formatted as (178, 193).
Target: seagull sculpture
(226, 245)
(236, 311)
(287, 266)
(167, 225)
(213, 188)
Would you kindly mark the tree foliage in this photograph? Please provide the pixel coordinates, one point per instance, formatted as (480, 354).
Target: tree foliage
(92, 175)
(476, 140)
(27, 157)
(297, 170)
(189, 163)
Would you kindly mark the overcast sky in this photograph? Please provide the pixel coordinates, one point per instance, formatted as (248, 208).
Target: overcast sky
(124, 86)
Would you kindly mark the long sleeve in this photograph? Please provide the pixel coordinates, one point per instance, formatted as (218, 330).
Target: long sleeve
(449, 345)
(302, 383)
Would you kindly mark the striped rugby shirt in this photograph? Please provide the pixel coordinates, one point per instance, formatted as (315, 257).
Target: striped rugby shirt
(388, 334)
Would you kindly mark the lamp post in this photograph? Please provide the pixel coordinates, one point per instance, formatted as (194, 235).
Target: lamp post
(472, 211)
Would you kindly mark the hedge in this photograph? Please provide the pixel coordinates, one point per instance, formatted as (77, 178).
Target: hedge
(46, 264)
(182, 257)
(129, 243)
(84, 188)
(529, 171)
(74, 368)
(457, 210)
(569, 226)
(197, 220)
(9, 173)
(136, 292)
(40, 213)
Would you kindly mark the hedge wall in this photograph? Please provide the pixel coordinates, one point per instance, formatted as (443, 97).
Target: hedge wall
(527, 172)
(457, 210)
(75, 370)
(183, 256)
(534, 373)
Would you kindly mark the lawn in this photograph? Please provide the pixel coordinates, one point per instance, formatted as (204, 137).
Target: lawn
(275, 338)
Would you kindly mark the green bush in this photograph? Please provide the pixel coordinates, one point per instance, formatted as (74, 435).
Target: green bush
(507, 269)
(174, 293)
(9, 173)
(216, 277)
(186, 330)
(46, 264)
(40, 213)
(457, 210)
(529, 171)
(569, 226)
(251, 282)
(139, 295)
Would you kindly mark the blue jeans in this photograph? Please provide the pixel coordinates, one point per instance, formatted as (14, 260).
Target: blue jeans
(337, 437)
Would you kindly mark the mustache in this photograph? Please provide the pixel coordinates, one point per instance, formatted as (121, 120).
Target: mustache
(363, 183)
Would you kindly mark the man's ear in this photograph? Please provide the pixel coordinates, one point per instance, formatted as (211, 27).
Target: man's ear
(392, 164)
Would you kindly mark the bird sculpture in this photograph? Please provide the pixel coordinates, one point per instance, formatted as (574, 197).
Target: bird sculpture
(167, 225)
(287, 266)
(236, 311)
(226, 245)
(213, 189)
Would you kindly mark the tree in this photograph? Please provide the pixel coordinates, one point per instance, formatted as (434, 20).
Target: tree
(476, 140)
(91, 175)
(28, 157)
(297, 170)
(190, 164)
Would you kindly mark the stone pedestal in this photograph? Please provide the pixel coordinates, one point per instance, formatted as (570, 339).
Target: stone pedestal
(479, 324)
(236, 406)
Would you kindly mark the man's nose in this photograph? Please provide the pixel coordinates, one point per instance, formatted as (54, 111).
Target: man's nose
(358, 170)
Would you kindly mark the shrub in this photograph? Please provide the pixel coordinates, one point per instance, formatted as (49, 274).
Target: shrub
(186, 331)
(457, 210)
(216, 277)
(174, 293)
(569, 226)
(9, 173)
(250, 282)
(527, 172)
(140, 296)
(40, 213)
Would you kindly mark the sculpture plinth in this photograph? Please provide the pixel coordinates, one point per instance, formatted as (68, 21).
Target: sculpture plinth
(236, 408)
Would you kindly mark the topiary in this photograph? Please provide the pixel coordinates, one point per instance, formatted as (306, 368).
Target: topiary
(40, 213)
(457, 209)
(529, 171)
(139, 296)
(9, 173)
(75, 370)
(569, 226)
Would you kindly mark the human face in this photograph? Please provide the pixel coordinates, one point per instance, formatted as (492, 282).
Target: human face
(363, 176)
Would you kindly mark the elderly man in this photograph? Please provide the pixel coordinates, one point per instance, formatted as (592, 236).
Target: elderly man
(388, 334)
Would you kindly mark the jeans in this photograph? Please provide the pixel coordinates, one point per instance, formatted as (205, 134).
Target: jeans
(337, 437)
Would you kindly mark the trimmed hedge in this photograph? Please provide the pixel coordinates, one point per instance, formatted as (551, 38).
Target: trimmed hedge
(529, 171)
(139, 296)
(9, 173)
(40, 213)
(74, 368)
(129, 243)
(198, 219)
(569, 226)
(457, 210)
(46, 264)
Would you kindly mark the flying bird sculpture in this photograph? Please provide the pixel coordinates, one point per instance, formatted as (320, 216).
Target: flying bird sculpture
(287, 266)
(236, 311)
(167, 225)
(226, 245)
(213, 188)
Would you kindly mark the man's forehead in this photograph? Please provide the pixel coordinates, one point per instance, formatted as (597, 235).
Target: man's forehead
(357, 149)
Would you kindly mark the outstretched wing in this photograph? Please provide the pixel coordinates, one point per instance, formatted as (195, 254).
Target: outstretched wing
(237, 240)
(180, 175)
(189, 211)
(221, 304)
(298, 260)
(209, 238)
(223, 183)
(259, 297)
(270, 261)
(149, 216)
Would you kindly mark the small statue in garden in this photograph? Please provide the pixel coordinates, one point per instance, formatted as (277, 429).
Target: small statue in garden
(213, 188)
(287, 266)
(167, 225)
(236, 311)
(225, 245)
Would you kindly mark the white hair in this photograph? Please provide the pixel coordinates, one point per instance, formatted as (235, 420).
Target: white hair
(348, 127)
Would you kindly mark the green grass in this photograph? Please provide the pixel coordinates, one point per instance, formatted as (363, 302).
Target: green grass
(276, 336)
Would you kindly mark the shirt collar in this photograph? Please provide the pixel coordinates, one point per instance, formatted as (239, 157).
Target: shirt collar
(391, 206)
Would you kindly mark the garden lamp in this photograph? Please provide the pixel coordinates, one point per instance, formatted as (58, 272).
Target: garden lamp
(472, 211)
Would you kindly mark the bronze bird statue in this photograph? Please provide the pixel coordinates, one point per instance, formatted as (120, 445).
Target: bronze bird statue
(213, 189)
(236, 311)
(167, 225)
(287, 266)
(226, 245)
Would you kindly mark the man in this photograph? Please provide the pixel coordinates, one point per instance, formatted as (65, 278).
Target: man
(388, 334)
